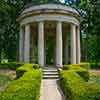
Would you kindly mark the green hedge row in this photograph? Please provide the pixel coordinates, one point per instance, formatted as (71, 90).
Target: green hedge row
(26, 87)
(76, 88)
(81, 70)
(10, 65)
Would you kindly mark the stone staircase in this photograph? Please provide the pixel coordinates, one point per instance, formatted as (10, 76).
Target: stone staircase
(50, 73)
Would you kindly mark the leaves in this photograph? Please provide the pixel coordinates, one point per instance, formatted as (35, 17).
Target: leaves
(9, 28)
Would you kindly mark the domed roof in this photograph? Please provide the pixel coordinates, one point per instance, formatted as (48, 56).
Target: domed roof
(50, 11)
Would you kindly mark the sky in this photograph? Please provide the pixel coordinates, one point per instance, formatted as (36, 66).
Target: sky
(62, 1)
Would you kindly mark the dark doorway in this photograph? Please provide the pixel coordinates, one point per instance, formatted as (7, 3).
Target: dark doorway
(50, 50)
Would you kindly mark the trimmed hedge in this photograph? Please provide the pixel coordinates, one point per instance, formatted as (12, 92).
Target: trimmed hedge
(71, 84)
(85, 65)
(80, 70)
(21, 70)
(26, 87)
(75, 88)
(10, 65)
(82, 65)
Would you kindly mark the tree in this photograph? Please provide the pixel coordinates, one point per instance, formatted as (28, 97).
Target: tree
(9, 28)
(91, 23)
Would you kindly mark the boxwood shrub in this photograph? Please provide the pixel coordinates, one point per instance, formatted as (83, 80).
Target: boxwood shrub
(85, 65)
(26, 68)
(75, 88)
(26, 87)
(80, 70)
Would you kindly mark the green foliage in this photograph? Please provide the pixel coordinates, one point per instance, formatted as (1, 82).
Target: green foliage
(78, 69)
(27, 87)
(75, 88)
(85, 65)
(66, 67)
(92, 48)
(44, 1)
(95, 65)
(95, 77)
(72, 84)
(9, 28)
(21, 70)
(11, 65)
(90, 26)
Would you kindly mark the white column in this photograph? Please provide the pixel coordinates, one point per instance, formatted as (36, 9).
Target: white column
(78, 46)
(73, 44)
(41, 43)
(59, 45)
(27, 44)
(21, 39)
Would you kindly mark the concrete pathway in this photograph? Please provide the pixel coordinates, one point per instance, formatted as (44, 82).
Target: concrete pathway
(50, 90)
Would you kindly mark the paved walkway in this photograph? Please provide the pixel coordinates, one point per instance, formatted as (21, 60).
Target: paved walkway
(50, 90)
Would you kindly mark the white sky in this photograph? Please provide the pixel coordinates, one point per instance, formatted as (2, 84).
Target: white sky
(62, 1)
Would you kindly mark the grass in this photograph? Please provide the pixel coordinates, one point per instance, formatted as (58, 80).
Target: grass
(4, 81)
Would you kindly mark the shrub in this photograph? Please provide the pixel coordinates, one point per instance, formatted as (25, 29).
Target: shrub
(66, 67)
(81, 71)
(75, 88)
(84, 74)
(11, 65)
(82, 65)
(95, 66)
(26, 87)
(36, 66)
(85, 65)
(71, 84)
(25, 68)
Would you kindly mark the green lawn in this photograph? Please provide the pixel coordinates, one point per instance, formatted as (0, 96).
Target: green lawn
(4, 81)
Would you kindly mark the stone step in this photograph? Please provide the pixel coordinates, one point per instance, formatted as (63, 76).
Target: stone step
(49, 68)
(50, 76)
(50, 73)
(45, 70)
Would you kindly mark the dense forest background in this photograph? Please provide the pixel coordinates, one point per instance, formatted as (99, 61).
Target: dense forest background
(90, 27)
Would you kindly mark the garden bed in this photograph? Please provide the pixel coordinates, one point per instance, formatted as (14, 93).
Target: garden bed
(6, 76)
(26, 86)
(8, 72)
(75, 87)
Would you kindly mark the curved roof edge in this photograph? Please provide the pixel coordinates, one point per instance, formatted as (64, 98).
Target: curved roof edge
(50, 6)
